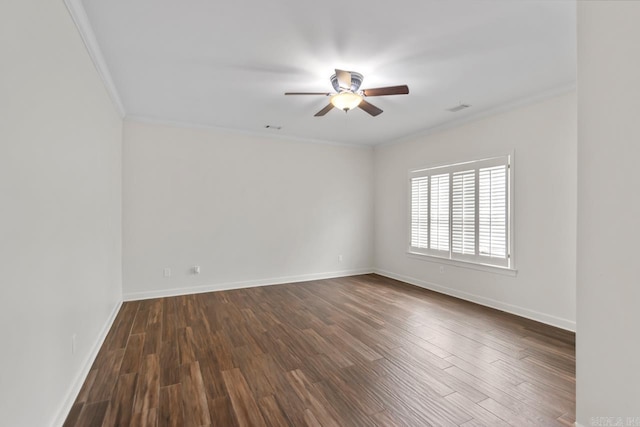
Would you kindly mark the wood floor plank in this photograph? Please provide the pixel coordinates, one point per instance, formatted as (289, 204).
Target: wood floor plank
(409, 395)
(194, 397)
(92, 414)
(121, 405)
(155, 312)
(557, 401)
(152, 339)
(171, 413)
(310, 419)
(223, 349)
(185, 347)
(309, 396)
(169, 364)
(221, 412)
(526, 406)
(513, 416)
(327, 399)
(142, 317)
(254, 372)
(487, 372)
(480, 415)
(355, 351)
(88, 384)
(355, 390)
(123, 330)
(353, 343)
(169, 320)
(212, 378)
(132, 355)
(74, 414)
(291, 404)
(386, 419)
(272, 412)
(147, 397)
(245, 407)
(567, 420)
(427, 381)
(106, 377)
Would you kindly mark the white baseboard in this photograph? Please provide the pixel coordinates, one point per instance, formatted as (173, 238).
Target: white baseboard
(558, 322)
(578, 424)
(76, 385)
(135, 296)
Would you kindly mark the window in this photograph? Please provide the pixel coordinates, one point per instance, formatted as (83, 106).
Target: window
(462, 211)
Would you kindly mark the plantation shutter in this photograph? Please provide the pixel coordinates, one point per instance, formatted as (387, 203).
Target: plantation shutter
(492, 209)
(419, 212)
(461, 212)
(463, 216)
(439, 210)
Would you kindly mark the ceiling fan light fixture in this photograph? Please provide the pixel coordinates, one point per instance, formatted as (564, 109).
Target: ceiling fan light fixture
(349, 95)
(356, 81)
(346, 100)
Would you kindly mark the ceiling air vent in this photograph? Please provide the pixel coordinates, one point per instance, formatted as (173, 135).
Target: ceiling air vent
(458, 108)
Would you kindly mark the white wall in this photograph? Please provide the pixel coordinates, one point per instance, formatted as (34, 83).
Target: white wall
(248, 210)
(608, 291)
(60, 216)
(543, 136)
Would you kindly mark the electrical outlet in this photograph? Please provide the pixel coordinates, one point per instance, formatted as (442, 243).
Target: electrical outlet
(166, 272)
(340, 258)
(195, 269)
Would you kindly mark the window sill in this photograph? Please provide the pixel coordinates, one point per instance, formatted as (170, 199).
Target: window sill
(465, 264)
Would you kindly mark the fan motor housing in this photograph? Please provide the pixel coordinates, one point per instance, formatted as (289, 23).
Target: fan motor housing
(356, 81)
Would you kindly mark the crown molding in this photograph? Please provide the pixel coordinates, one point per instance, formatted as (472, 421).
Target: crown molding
(234, 131)
(503, 108)
(81, 20)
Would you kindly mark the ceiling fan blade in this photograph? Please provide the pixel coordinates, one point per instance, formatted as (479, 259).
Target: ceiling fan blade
(308, 93)
(369, 108)
(391, 90)
(324, 111)
(344, 79)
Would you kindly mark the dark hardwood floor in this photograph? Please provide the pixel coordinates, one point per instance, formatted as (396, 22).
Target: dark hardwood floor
(355, 351)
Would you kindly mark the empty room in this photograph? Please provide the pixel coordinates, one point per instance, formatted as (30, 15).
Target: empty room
(419, 213)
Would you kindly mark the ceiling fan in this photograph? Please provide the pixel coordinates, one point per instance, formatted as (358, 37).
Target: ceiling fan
(349, 96)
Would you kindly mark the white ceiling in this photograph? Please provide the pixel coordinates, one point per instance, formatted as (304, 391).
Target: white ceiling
(227, 63)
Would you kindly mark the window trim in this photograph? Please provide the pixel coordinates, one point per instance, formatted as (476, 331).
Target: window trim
(506, 271)
(475, 261)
